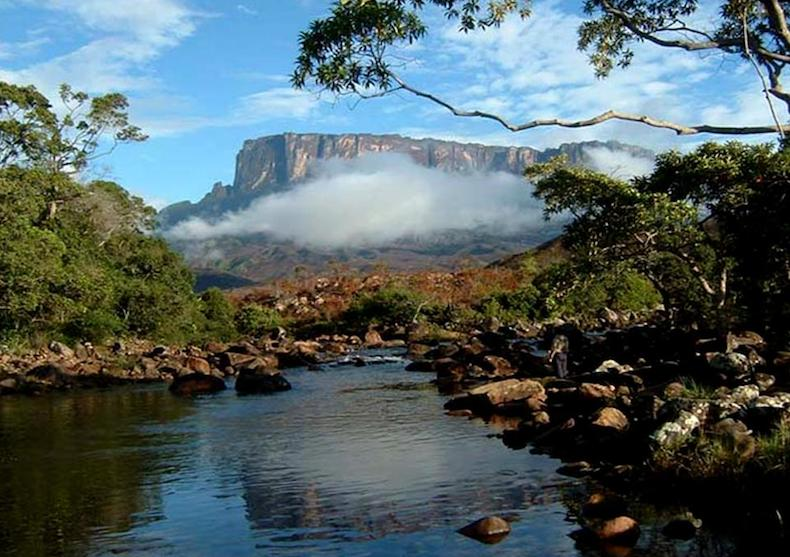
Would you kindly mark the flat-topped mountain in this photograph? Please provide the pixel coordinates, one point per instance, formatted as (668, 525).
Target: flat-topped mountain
(274, 163)
(278, 163)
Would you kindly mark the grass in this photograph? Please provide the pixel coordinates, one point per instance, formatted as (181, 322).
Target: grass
(696, 390)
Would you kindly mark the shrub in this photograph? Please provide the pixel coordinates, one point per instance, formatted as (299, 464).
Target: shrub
(218, 316)
(256, 320)
(511, 307)
(388, 306)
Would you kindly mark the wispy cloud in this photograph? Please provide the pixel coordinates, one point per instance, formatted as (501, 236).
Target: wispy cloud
(246, 10)
(129, 35)
(376, 199)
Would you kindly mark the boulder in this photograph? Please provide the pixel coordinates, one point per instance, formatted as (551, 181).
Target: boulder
(508, 390)
(257, 381)
(676, 432)
(491, 529)
(442, 351)
(234, 359)
(732, 364)
(51, 374)
(621, 530)
(196, 384)
(596, 392)
(496, 366)
(613, 366)
(610, 419)
(373, 339)
(61, 349)
(198, 365)
(744, 394)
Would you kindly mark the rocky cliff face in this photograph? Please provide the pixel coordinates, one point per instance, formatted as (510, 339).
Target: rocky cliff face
(275, 163)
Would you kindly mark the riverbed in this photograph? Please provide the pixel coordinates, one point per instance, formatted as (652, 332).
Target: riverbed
(353, 461)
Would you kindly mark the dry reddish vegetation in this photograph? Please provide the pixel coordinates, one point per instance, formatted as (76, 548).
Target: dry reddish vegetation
(326, 297)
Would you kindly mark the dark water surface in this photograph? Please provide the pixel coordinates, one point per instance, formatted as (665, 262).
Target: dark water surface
(352, 461)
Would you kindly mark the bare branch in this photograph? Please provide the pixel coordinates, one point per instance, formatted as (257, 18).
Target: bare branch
(766, 89)
(777, 16)
(628, 21)
(599, 119)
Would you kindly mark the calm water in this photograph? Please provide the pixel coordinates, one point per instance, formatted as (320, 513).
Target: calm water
(352, 461)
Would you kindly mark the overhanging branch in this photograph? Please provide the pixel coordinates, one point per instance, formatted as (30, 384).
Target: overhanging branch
(679, 129)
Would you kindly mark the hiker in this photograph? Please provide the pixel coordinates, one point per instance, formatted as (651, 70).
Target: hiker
(558, 355)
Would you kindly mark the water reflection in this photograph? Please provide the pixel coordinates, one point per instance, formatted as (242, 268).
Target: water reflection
(358, 461)
(75, 464)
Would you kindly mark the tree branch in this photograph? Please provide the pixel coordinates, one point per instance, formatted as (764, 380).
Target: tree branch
(777, 17)
(599, 119)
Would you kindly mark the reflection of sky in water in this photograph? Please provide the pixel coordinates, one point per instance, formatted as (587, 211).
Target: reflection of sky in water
(343, 464)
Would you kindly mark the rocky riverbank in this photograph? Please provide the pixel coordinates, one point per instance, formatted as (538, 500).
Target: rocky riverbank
(644, 409)
(59, 367)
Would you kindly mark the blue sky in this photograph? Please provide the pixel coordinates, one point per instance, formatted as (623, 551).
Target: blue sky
(204, 76)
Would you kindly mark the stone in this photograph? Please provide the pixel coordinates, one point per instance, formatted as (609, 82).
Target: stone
(61, 349)
(509, 390)
(196, 384)
(744, 394)
(541, 419)
(621, 530)
(198, 365)
(8, 385)
(674, 390)
(733, 364)
(613, 366)
(491, 529)
(496, 366)
(252, 381)
(677, 432)
(216, 347)
(746, 338)
(594, 391)
(610, 419)
(234, 359)
(764, 381)
(373, 339)
(50, 373)
(442, 351)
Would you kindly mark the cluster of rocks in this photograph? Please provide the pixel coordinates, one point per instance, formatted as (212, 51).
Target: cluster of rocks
(611, 417)
(190, 369)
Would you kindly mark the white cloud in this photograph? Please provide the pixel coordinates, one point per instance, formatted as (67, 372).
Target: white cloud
(618, 163)
(279, 102)
(376, 199)
(246, 10)
(129, 35)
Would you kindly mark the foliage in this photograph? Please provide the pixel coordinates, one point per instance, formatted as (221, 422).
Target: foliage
(219, 316)
(707, 229)
(349, 50)
(256, 320)
(568, 290)
(389, 306)
(510, 307)
(33, 135)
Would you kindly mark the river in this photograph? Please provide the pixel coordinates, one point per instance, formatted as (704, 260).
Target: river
(352, 462)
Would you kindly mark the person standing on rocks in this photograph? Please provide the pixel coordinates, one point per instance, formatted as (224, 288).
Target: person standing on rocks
(558, 355)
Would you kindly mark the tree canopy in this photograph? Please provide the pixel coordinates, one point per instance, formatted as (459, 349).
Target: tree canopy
(33, 134)
(709, 229)
(348, 51)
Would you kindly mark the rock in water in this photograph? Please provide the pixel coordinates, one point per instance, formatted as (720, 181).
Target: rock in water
(197, 384)
(622, 530)
(491, 529)
(261, 382)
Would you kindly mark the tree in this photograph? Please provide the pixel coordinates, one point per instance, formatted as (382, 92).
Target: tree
(347, 52)
(33, 134)
(708, 229)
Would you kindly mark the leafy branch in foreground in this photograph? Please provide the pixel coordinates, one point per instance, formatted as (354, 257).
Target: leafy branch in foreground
(347, 52)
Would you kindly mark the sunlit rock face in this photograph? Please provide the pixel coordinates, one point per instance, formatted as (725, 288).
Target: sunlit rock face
(286, 163)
